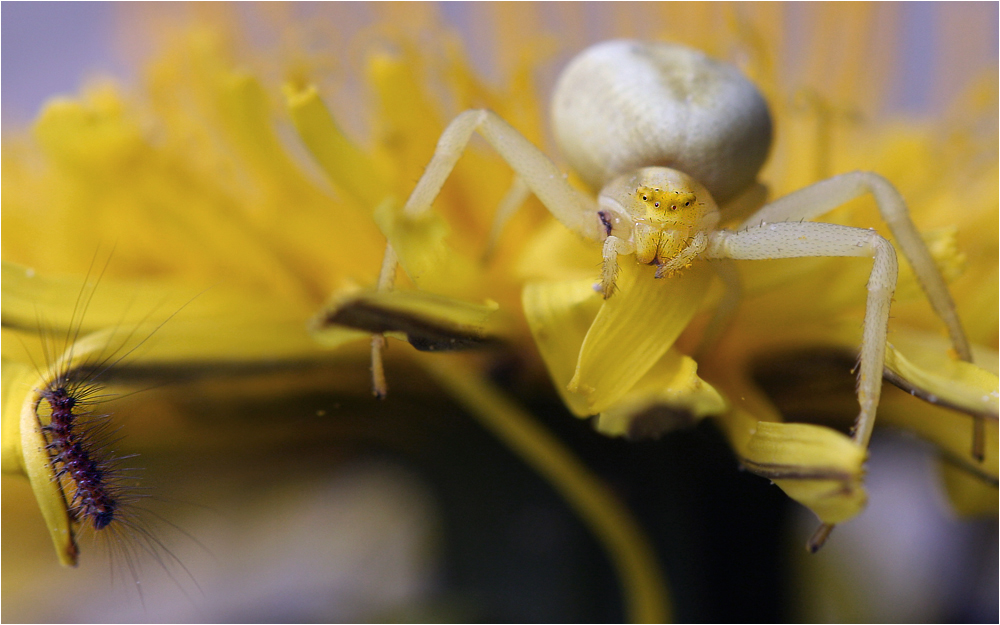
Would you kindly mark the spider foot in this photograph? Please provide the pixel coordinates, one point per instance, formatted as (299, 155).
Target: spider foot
(606, 289)
(818, 539)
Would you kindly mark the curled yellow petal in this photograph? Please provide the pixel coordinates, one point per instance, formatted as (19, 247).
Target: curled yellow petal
(559, 315)
(818, 467)
(45, 484)
(429, 322)
(930, 373)
(633, 329)
(45, 314)
(952, 392)
(47, 488)
(669, 396)
(945, 381)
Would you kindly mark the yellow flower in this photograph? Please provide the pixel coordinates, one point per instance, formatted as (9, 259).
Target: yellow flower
(211, 212)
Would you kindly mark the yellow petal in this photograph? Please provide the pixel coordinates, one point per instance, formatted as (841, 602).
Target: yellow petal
(56, 304)
(85, 135)
(559, 314)
(430, 322)
(669, 396)
(149, 322)
(18, 379)
(554, 253)
(409, 126)
(145, 194)
(941, 379)
(47, 487)
(24, 452)
(634, 328)
(347, 166)
(246, 115)
(258, 332)
(930, 373)
(818, 467)
(269, 340)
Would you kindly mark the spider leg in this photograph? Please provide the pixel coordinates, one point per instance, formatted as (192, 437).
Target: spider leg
(386, 281)
(808, 239)
(575, 210)
(613, 247)
(823, 196)
(532, 167)
(826, 195)
(684, 259)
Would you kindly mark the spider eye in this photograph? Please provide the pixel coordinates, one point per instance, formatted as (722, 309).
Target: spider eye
(656, 204)
(644, 198)
(673, 207)
(687, 203)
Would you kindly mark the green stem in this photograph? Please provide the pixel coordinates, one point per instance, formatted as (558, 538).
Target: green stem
(647, 598)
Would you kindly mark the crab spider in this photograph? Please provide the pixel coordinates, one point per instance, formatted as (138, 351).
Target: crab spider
(667, 135)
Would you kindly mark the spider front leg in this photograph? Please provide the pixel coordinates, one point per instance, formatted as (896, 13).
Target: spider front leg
(613, 247)
(823, 196)
(826, 195)
(808, 239)
(685, 257)
(534, 169)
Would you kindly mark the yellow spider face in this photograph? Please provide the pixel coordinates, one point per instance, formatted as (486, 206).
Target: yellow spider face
(659, 211)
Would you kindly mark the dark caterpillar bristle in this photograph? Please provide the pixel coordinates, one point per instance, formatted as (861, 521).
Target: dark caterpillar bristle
(72, 433)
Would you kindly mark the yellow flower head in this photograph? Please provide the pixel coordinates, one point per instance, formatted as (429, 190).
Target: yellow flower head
(241, 200)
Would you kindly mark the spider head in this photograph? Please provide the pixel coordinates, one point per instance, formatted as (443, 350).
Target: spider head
(659, 210)
(657, 198)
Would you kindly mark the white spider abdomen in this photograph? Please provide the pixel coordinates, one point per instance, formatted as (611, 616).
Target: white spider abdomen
(622, 105)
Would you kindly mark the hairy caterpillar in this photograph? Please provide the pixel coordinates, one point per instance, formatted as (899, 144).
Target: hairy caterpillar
(75, 435)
